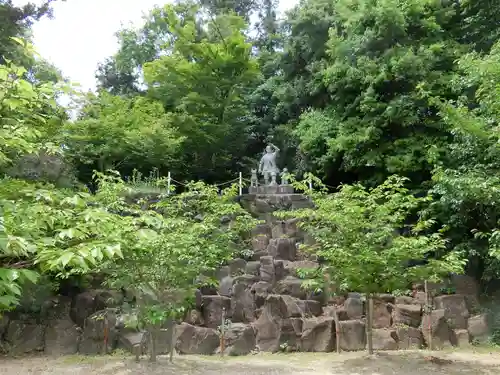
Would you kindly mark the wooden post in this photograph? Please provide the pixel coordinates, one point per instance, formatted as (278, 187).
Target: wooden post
(337, 330)
(106, 334)
(241, 183)
(172, 340)
(222, 332)
(369, 323)
(168, 183)
(428, 311)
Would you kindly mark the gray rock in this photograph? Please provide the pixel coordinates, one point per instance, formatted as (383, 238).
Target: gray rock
(385, 339)
(99, 334)
(381, 314)
(455, 310)
(195, 318)
(212, 309)
(267, 269)
(439, 329)
(133, 342)
(352, 335)
(226, 286)
(461, 338)
(410, 315)
(318, 335)
(24, 337)
(237, 267)
(283, 248)
(83, 306)
(478, 328)
(354, 308)
(242, 304)
(408, 337)
(62, 337)
(291, 286)
(260, 292)
(196, 340)
(310, 307)
(239, 339)
(253, 268)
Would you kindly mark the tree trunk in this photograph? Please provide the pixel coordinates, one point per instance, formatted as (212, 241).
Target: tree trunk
(369, 323)
(428, 311)
(171, 327)
(337, 330)
(153, 337)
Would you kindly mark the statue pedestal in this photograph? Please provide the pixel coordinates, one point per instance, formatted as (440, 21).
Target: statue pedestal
(271, 189)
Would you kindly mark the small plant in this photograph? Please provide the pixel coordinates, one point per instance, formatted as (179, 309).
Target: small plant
(284, 347)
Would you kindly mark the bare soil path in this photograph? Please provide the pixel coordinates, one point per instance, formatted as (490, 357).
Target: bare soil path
(387, 363)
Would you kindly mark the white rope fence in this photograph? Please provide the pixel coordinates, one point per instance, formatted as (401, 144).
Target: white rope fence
(240, 181)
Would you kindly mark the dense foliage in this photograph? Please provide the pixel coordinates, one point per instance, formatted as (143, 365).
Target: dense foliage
(352, 91)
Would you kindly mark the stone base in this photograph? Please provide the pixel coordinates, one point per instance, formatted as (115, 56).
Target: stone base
(271, 189)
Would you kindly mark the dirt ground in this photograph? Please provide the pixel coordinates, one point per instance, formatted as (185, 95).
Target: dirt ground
(387, 363)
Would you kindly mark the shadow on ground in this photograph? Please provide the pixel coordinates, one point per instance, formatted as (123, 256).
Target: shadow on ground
(400, 363)
(413, 364)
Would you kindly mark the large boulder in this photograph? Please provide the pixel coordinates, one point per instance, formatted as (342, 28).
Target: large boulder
(194, 317)
(318, 335)
(335, 309)
(135, 342)
(460, 338)
(436, 324)
(469, 288)
(310, 308)
(352, 335)
(354, 308)
(237, 267)
(24, 337)
(291, 286)
(83, 305)
(478, 328)
(410, 315)
(260, 291)
(62, 337)
(87, 303)
(279, 324)
(387, 298)
(384, 339)
(455, 310)
(408, 337)
(226, 286)
(381, 314)
(262, 230)
(239, 339)
(242, 304)
(99, 333)
(266, 269)
(196, 340)
(253, 268)
(283, 248)
(405, 300)
(213, 307)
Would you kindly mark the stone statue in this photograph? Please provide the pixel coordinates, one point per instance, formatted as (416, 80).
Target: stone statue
(284, 176)
(267, 165)
(254, 180)
(273, 179)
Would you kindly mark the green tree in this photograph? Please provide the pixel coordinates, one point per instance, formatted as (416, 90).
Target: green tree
(124, 134)
(465, 181)
(184, 240)
(203, 82)
(42, 229)
(365, 239)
